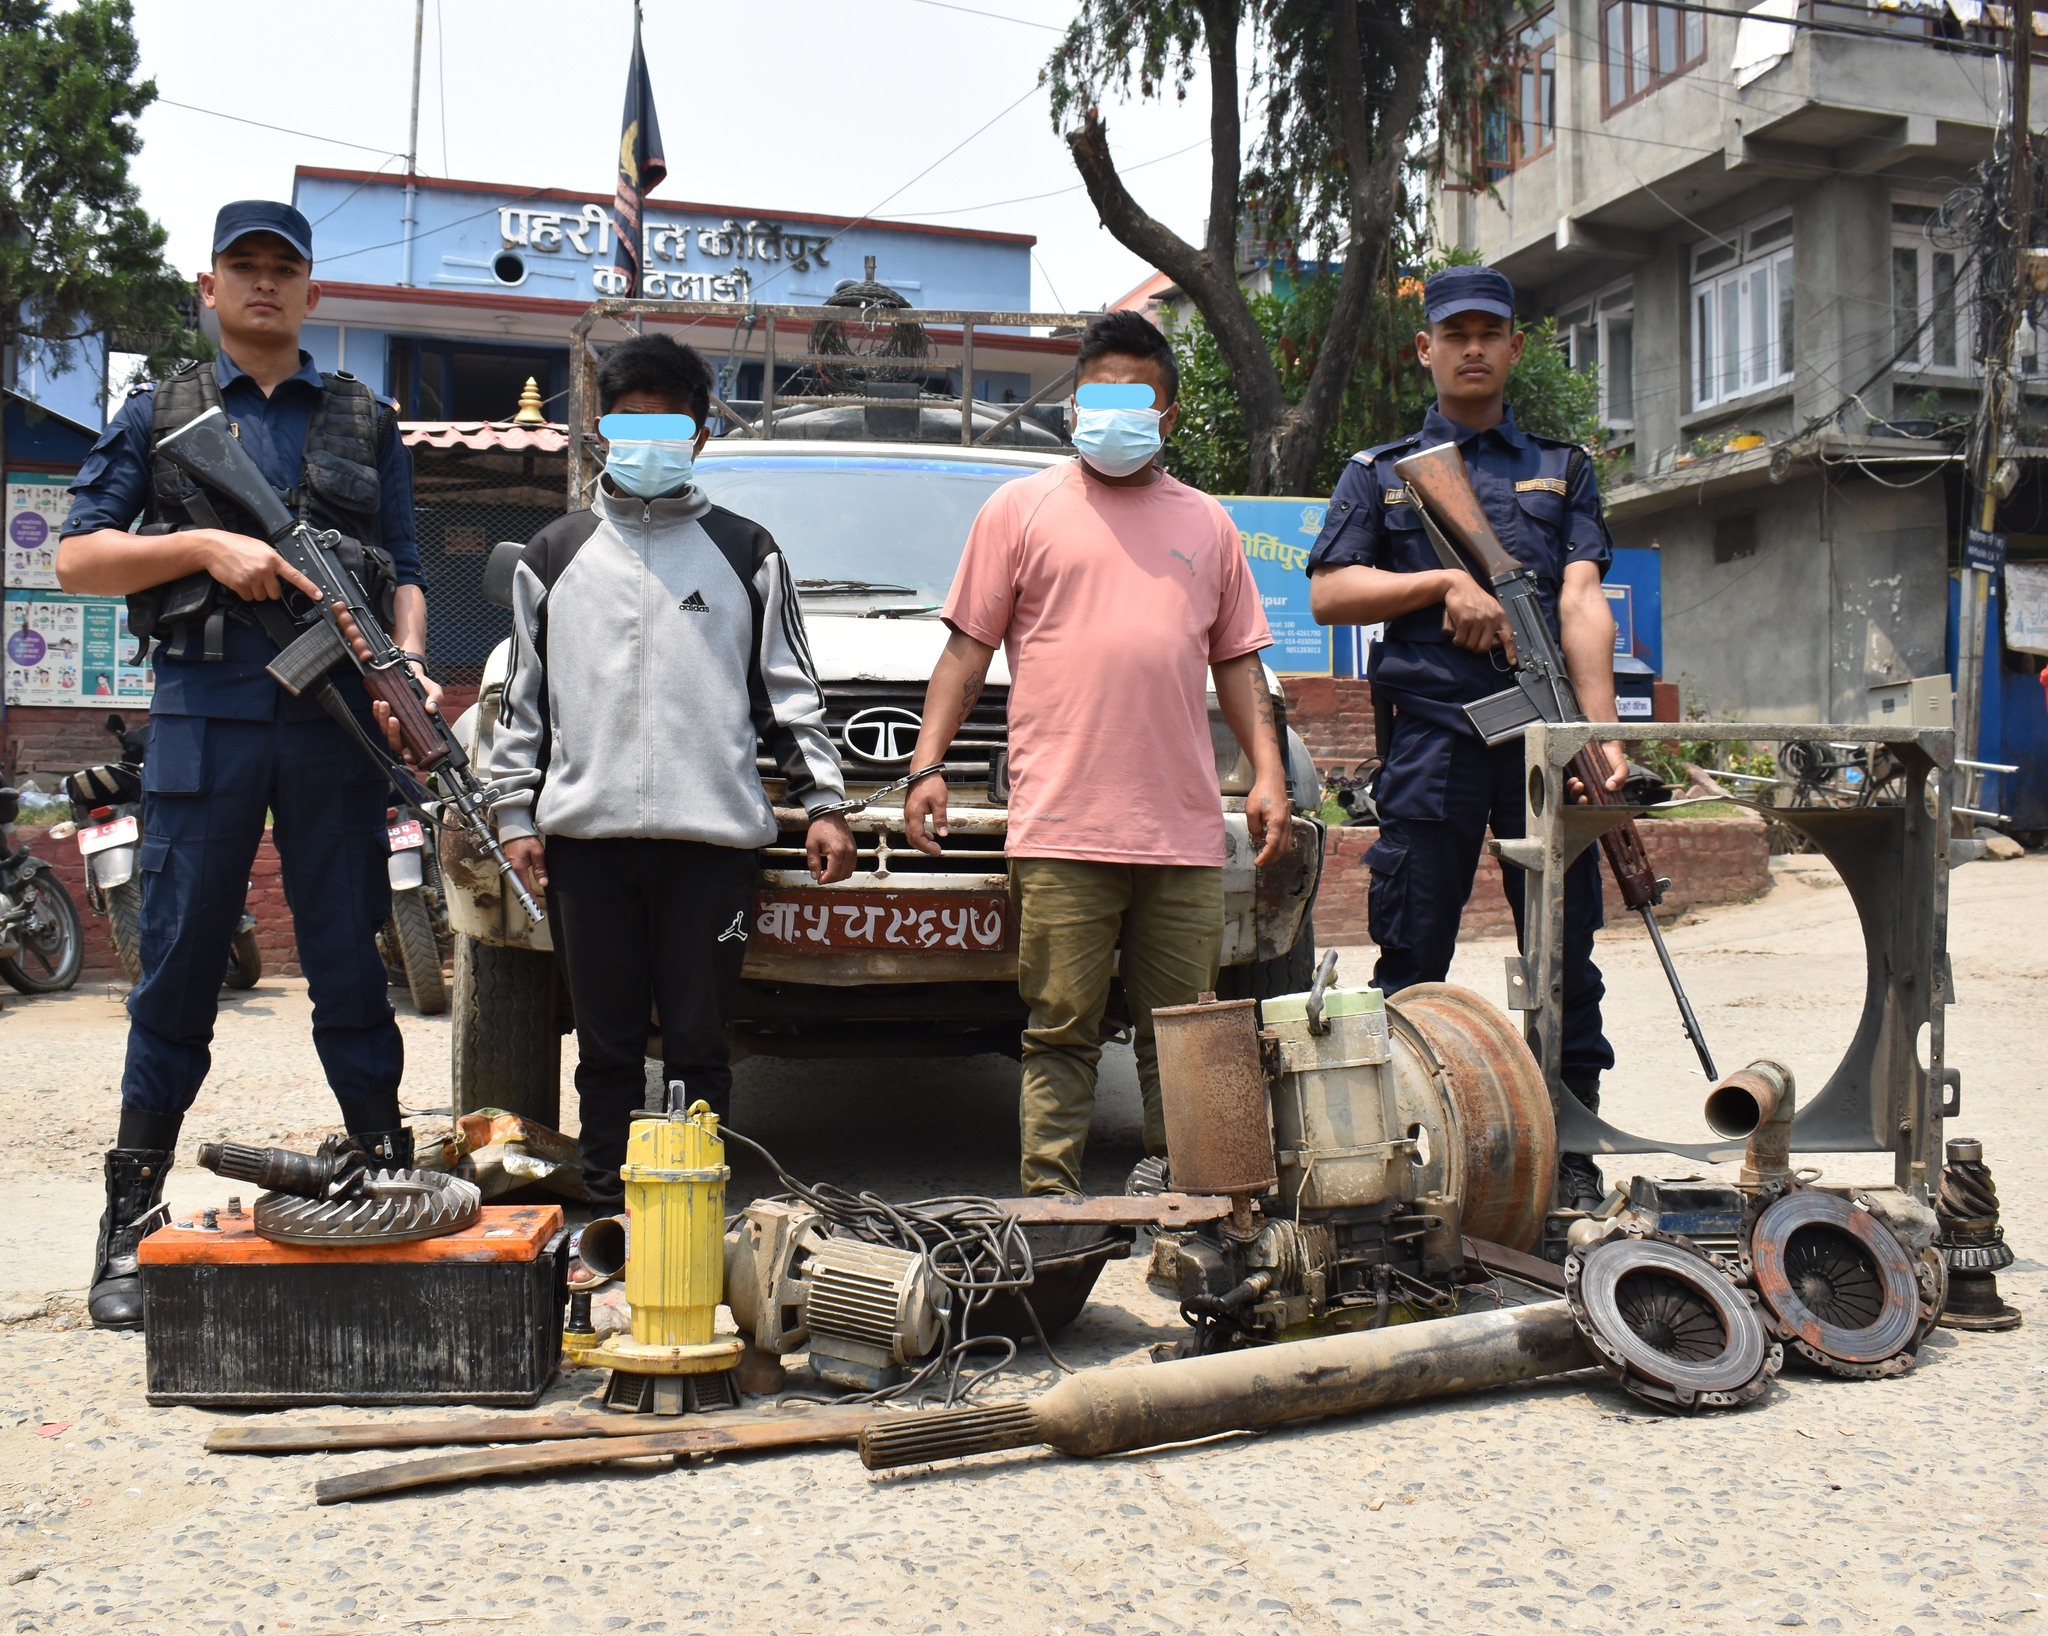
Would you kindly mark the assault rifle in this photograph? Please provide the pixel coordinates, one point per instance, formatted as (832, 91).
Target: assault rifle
(1465, 541)
(310, 640)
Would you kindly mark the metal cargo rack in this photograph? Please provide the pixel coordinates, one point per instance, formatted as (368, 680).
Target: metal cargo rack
(1892, 1088)
(974, 432)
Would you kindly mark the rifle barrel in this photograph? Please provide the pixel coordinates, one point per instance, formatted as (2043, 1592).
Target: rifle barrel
(1687, 1020)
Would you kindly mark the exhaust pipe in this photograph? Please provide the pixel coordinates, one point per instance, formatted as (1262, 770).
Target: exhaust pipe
(602, 1248)
(1108, 1410)
(1758, 1103)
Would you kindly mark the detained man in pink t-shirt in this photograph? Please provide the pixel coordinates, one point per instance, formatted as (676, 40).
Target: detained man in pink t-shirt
(1116, 593)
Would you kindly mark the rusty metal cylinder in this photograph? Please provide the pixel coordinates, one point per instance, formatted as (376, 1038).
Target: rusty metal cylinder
(602, 1247)
(1757, 1102)
(1219, 1127)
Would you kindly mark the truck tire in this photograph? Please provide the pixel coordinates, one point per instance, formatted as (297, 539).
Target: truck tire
(124, 927)
(507, 1051)
(1289, 973)
(245, 960)
(413, 920)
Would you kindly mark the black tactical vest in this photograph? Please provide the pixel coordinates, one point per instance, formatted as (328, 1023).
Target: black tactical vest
(338, 489)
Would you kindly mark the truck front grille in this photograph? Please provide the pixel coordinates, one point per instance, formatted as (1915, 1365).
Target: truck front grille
(901, 705)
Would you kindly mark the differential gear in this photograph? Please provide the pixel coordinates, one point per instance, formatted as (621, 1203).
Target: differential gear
(1669, 1324)
(389, 1207)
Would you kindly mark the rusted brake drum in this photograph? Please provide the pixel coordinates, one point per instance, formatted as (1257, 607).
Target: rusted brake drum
(1472, 1096)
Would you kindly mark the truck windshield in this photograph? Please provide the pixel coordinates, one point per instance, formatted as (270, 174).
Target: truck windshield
(889, 531)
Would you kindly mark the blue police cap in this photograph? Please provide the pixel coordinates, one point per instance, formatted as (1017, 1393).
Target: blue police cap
(246, 216)
(1467, 289)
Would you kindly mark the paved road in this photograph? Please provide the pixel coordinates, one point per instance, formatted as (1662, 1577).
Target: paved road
(1913, 1505)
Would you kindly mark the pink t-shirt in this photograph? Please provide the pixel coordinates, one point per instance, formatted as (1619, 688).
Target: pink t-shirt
(1111, 603)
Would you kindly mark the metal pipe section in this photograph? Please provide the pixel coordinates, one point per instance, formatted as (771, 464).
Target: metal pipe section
(1757, 1102)
(1108, 1410)
(1219, 1130)
(602, 1247)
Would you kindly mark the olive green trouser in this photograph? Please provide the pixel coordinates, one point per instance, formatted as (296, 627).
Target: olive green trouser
(1073, 918)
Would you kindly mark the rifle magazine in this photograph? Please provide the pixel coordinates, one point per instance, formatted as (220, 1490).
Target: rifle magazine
(307, 657)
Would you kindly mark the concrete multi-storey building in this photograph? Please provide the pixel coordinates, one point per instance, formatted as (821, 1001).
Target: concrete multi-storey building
(1740, 221)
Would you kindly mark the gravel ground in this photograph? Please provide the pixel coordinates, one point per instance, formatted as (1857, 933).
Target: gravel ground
(1902, 1506)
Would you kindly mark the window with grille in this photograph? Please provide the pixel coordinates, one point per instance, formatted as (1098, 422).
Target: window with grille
(1527, 126)
(1642, 46)
(1930, 303)
(1742, 310)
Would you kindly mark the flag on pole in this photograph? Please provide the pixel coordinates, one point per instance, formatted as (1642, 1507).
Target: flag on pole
(641, 165)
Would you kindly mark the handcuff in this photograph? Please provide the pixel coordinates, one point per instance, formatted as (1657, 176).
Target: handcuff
(842, 809)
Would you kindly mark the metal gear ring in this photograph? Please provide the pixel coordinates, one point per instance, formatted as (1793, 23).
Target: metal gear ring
(1668, 1324)
(391, 1207)
(1837, 1284)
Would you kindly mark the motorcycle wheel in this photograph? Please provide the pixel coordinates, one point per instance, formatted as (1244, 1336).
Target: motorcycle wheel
(245, 960)
(124, 927)
(414, 921)
(51, 953)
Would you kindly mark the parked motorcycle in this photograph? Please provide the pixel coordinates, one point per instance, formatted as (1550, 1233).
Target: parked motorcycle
(106, 808)
(411, 939)
(42, 944)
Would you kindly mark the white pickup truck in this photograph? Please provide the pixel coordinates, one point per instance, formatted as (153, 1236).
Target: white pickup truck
(913, 954)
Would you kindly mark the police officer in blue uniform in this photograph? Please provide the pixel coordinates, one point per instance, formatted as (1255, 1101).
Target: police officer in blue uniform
(1441, 788)
(227, 745)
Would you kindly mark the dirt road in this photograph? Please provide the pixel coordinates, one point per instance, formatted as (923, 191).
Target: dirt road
(1914, 1505)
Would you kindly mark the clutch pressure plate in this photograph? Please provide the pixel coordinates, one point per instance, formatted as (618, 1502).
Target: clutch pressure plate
(1668, 1324)
(1838, 1284)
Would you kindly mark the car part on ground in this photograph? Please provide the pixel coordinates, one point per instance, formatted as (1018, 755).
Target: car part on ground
(1838, 1285)
(1109, 1410)
(1971, 1242)
(388, 1207)
(1669, 1324)
(335, 1170)
(1387, 1129)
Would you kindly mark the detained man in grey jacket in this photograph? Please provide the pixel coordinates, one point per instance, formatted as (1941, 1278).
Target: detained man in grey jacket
(656, 638)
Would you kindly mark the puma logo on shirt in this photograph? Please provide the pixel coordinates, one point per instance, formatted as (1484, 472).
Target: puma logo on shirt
(693, 603)
(1184, 557)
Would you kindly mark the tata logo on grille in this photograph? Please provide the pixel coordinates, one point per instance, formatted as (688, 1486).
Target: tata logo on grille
(883, 735)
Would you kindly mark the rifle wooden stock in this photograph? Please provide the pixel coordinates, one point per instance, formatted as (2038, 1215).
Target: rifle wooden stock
(1623, 844)
(1439, 488)
(426, 745)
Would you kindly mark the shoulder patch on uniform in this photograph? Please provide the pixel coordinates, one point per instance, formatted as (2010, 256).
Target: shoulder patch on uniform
(1545, 485)
(1368, 456)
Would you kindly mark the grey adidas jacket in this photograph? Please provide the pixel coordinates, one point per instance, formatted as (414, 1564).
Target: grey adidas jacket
(653, 641)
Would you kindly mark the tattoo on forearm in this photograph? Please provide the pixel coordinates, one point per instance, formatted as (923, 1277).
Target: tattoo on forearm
(1262, 703)
(970, 690)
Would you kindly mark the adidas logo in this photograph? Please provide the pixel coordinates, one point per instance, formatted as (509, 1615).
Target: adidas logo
(693, 603)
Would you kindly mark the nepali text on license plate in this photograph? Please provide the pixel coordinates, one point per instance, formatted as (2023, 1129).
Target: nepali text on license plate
(406, 835)
(120, 832)
(818, 922)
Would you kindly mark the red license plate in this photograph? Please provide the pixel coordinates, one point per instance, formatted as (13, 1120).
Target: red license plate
(407, 835)
(825, 921)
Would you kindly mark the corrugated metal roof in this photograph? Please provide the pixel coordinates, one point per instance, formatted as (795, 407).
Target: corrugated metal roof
(548, 438)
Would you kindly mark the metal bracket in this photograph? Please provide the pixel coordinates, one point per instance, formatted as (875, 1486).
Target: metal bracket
(1524, 855)
(1520, 996)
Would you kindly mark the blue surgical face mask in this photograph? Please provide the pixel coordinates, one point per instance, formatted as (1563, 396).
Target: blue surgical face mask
(648, 456)
(1117, 442)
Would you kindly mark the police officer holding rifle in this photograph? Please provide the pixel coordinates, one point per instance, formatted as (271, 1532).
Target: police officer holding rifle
(228, 744)
(1448, 644)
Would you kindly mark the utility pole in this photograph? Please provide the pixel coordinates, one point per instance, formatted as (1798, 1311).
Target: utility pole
(2000, 387)
(412, 146)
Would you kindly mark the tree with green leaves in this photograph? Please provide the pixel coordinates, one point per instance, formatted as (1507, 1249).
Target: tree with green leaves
(79, 256)
(1385, 394)
(1339, 90)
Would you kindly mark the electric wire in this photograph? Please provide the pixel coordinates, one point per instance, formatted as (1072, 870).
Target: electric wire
(975, 1250)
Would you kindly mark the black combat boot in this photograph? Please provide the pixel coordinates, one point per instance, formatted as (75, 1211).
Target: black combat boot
(385, 1149)
(1580, 1185)
(135, 1188)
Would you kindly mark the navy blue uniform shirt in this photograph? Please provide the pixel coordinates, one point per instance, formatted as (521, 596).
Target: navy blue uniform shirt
(112, 490)
(1545, 516)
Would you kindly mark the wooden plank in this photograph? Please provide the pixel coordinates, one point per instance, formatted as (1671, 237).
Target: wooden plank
(789, 1431)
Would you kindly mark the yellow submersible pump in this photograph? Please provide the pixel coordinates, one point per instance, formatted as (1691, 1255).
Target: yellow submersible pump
(675, 1174)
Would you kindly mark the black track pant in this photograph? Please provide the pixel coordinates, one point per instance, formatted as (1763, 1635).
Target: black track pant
(647, 925)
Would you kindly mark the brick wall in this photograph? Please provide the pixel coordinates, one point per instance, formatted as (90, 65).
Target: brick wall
(265, 900)
(1707, 860)
(1333, 715)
